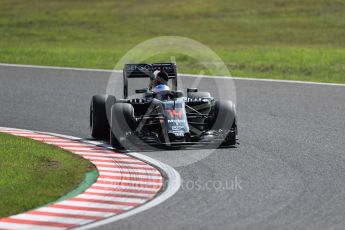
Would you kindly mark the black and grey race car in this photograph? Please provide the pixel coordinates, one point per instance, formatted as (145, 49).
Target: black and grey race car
(162, 116)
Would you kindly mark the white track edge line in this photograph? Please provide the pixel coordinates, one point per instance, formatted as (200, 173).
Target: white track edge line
(183, 74)
(173, 183)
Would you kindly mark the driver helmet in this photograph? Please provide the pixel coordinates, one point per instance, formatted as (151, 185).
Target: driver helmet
(161, 89)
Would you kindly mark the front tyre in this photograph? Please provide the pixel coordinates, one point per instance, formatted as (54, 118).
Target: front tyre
(122, 124)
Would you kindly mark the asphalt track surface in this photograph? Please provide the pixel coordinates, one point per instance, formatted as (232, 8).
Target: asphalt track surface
(290, 165)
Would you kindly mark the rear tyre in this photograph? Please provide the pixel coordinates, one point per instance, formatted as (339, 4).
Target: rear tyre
(223, 117)
(122, 124)
(99, 124)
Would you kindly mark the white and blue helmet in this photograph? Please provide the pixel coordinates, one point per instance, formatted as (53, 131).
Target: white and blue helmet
(161, 89)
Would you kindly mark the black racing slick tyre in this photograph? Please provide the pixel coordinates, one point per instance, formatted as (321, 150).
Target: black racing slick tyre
(122, 124)
(223, 118)
(99, 124)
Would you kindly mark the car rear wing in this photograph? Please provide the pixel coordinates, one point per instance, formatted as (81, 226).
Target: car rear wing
(147, 71)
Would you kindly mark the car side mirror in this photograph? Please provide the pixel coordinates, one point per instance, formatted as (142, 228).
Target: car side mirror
(150, 94)
(193, 90)
(144, 90)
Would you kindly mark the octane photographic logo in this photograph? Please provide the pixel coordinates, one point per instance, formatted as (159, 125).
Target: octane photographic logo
(172, 49)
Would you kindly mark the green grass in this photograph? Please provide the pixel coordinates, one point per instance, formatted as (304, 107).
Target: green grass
(295, 39)
(34, 173)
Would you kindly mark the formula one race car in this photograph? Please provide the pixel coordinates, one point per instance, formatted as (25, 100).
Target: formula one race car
(162, 116)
